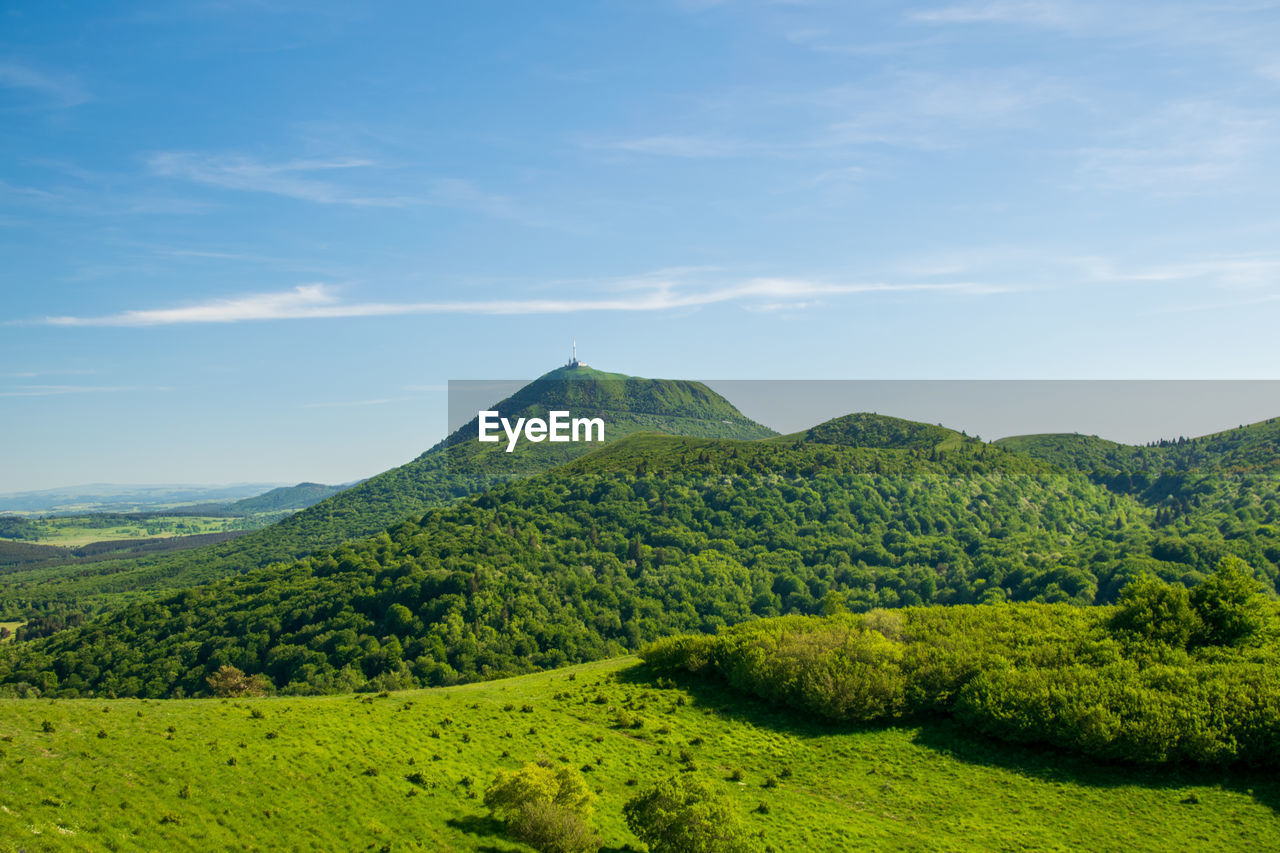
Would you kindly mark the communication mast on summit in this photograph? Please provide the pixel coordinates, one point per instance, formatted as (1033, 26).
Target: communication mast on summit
(573, 360)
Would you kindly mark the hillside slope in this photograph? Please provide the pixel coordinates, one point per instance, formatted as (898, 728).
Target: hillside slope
(648, 536)
(454, 467)
(296, 497)
(407, 772)
(1244, 451)
(865, 429)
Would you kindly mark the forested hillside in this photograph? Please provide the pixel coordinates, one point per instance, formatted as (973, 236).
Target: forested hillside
(453, 468)
(647, 537)
(1164, 468)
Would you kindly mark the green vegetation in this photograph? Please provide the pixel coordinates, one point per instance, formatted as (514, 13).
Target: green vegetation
(455, 467)
(74, 531)
(686, 814)
(882, 432)
(1246, 450)
(284, 499)
(646, 537)
(1114, 683)
(408, 771)
(547, 809)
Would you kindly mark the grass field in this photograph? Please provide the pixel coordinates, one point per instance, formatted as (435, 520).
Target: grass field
(331, 773)
(12, 626)
(76, 531)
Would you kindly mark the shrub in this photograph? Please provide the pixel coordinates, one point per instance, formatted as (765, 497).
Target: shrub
(683, 814)
(231, 682)
(553, 829)
(1230, 605)
(547, 809)
(1151, 609)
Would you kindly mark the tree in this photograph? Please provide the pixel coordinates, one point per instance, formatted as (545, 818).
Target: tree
(548, 810)
(1230, 605)
(1155, 610)
(684, 814)
(231, 682)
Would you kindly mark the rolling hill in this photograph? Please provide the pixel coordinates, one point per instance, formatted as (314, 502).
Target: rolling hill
(449, 470)
(1246, 450)
(649, 535)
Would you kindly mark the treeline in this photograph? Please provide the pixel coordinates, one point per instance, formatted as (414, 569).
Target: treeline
(650, 537)
(1168, 675)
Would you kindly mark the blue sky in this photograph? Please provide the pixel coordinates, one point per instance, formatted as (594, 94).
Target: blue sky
(253, 240)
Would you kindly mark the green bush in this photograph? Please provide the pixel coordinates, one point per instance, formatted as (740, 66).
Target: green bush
(1151, 609)
(684, 814)
(1113, 683)
(1230, 605)
(547, 809)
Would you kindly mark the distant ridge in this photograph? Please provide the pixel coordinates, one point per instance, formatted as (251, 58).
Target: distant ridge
(1252, 448)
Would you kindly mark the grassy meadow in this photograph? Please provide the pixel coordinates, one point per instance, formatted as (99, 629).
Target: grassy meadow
(407, 770)
(78, 531)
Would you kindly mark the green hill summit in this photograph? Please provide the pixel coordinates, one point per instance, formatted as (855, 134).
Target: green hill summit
(880, 432)
(456, 466)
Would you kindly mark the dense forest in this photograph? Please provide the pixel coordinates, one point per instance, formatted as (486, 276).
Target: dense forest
(652, 536)
(453, 468)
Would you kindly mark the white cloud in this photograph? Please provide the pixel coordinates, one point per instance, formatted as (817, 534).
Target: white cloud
(299, 302)
(61, 90)
(58, 390)
(297, 179)
(1241, 272)
(1184, 147)
(32, 374)
(346, 403)
(691, 147)
(1045, 14)
(320, 181)
(920, 110)
(320, 301)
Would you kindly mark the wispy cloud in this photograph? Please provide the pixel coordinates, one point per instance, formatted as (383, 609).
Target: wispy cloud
(32, 374)
(1240, 272)
(347, 403)
(58, 390)
(1244, 33)
(326, 181)
(59, 90)
(692, 147)
(298, 179)
(321, 301)
(464, 195)
(1033, 13)
(1184, 147)
(911, 109)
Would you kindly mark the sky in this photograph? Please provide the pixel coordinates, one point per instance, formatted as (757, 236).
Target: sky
(253, 240)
